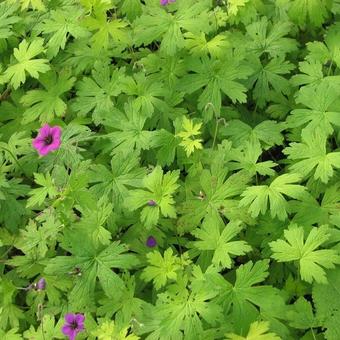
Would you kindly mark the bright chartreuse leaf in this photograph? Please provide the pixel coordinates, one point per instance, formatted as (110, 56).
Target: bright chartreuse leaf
(181, 313)
(189, 133)
(216, 237)
(50, 102)
(10, 335)
(15, 74)
(160, 268)
(311, 261)
(258, 330)
(108, 330)
(107, 30)
(258, 197)
(311, 156)
(46, 330)
(156, 197)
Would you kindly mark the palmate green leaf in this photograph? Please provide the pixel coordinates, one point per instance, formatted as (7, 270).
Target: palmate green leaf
(10, 335)
(160, 188)
(46, 104)
(268, 133)
(129, 134)
(181, 314)
(302, 316)
(95, 94)
(12, 208)
(42, 237)
(124, 174)
(310, 211)
(270, 38)
(7, 19)
(59, 27)
(321, 108)
(311, 261)
(258, 197)
(216, 77)
(34, 4)
(39, 195)
(160, 268)
(214, 236)
(10, 313)
(246, 157)
(313, 156)
(46, 330)
(106, 30)
(258, 330)
(268, 78)
(313, 12)
(93, 221)
(16, 74)
(326, 298)
(156, 24)
(216, 194)
(108, 330)
(146, 93)
(125, 305)
(199, 46)
(246, 300)
(311, 74)
(93, 260)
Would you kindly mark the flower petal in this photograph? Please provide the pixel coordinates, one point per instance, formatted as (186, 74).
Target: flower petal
(44, 131)
(54, 145)
(55, 132)
(70, 317)
(38, 143)
(67, 330)
(80, 318)
(44, 150)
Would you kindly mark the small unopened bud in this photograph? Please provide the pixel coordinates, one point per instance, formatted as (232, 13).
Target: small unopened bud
(152, 203)
(41, 284)
(151, 242)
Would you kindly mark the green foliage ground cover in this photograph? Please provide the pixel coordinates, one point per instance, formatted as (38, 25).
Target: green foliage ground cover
(194, 193)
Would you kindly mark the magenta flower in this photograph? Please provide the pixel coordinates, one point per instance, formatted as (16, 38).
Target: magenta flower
(73, 325)
(166, 2)
(151, 242)
(48, 139)
(41, 284)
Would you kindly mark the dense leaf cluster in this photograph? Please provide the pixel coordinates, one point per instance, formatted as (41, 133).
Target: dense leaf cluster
(212, 126)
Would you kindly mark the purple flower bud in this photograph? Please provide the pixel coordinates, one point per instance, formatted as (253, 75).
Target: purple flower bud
(41, 284)
(151, 242)
(165, 2)
(152, 203)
